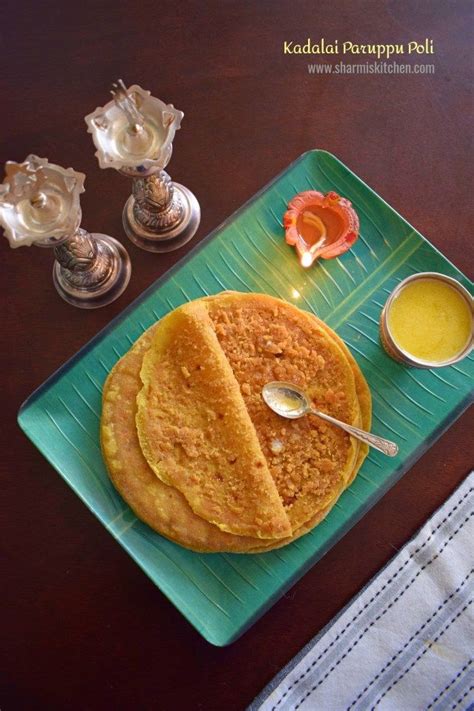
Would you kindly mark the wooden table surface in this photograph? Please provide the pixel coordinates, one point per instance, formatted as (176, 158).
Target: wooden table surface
(83, 627)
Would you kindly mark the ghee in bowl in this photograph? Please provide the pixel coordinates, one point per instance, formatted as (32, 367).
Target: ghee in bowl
(427, 321)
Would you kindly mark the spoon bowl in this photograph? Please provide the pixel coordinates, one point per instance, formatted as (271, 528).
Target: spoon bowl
(286, 399)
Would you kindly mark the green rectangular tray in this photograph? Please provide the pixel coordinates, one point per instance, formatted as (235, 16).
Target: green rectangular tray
(223, 594)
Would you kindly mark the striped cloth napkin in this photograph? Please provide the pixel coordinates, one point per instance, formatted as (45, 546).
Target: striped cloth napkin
(405, 642)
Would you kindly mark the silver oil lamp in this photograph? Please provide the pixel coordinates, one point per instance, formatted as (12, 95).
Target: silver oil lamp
(39, 204)
(134, 134)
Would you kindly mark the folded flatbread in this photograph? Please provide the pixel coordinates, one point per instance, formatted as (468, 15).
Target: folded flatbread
(178, 495)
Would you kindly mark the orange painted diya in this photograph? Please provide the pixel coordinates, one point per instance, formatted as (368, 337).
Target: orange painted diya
(319, 225)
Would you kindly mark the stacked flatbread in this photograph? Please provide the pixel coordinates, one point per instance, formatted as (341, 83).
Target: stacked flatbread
(194, 450)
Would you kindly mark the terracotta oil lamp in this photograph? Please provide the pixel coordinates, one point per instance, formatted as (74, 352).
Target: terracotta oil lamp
(319, 225)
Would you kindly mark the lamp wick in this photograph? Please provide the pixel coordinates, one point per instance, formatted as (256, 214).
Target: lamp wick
(127, 104)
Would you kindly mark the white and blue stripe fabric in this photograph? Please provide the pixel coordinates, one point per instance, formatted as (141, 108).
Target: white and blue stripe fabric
(406, 642)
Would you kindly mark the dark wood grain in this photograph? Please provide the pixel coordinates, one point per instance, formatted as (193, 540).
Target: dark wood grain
(83, 627)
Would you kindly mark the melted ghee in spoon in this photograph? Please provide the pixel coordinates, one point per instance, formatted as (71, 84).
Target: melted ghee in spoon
(285, 399)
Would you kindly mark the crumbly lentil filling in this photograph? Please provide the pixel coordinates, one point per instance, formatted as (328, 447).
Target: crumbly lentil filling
(307, 457)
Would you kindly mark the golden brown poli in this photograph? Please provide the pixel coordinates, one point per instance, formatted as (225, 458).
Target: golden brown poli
(195, 431)
(268, 339)
(162, 507)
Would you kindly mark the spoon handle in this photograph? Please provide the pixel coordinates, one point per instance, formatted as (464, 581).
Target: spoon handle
(383, 445)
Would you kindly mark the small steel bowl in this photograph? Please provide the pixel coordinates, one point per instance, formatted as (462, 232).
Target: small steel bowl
(394, 350)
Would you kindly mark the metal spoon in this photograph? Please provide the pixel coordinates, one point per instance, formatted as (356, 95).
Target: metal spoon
(290, 401)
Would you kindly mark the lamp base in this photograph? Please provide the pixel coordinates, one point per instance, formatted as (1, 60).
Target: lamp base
(111, 266)
(169, 238)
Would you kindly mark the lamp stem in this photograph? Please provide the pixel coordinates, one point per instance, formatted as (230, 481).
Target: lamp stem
(84, 263)
(158, 206)
(90, 270)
